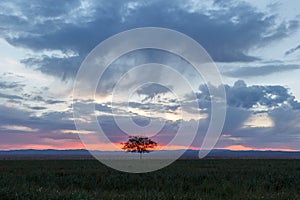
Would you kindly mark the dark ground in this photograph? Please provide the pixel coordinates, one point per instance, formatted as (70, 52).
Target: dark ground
(184, 179)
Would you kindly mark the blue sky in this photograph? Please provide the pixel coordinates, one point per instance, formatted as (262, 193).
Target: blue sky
(255, 44)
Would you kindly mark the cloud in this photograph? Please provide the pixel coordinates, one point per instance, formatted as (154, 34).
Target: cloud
(278, 106)
(246, 72)
(53, 121)
(46, 101)
(54, 65)
(283, 134)
(13, 116)
(38, 108)
(252, 97)
(79, 26)
(247, 97)
(21, 129)
(152, 90)
(46, 122)
(126, 63)
(18, 128)
(37, 140)
(10, 85)
(280, 110)
(54, 101)
(10, 97)
(57, 39)
(243, 102)
(292, 50)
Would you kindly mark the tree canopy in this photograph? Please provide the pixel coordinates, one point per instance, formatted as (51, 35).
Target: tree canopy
(139, 144)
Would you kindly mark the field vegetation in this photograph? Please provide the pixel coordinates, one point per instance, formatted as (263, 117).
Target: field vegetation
(184, 179)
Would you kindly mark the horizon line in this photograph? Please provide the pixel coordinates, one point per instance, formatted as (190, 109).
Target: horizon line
(241, 150)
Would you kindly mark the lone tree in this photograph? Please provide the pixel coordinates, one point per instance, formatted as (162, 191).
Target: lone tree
(138, 144)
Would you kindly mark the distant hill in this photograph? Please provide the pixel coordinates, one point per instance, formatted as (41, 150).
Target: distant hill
(189, 154)
(254, 154)
(45, 152)
(48, 154)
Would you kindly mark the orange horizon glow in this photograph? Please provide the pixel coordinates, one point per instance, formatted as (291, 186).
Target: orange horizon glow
(247, 148)
(116, 146)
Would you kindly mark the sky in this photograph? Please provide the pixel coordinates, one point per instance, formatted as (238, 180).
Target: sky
(255, 45)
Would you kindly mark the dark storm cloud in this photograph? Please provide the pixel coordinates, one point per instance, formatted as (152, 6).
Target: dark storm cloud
(286, 121)
(47, 126)
(73, 28)
(13, 116)
(276, 102)
(283, 134)
(53, 121)
(247, 97)
(46, 122)
(228, 33)
(280, 106)
(243, 101)
(54, 65)
(242, 96)
(259, 70)
(127, 62)
(235, 117)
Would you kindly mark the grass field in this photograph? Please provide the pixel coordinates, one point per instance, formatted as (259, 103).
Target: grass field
(184, 179)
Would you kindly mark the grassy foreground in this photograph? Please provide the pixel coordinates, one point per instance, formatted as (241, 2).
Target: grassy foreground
(184, 179)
